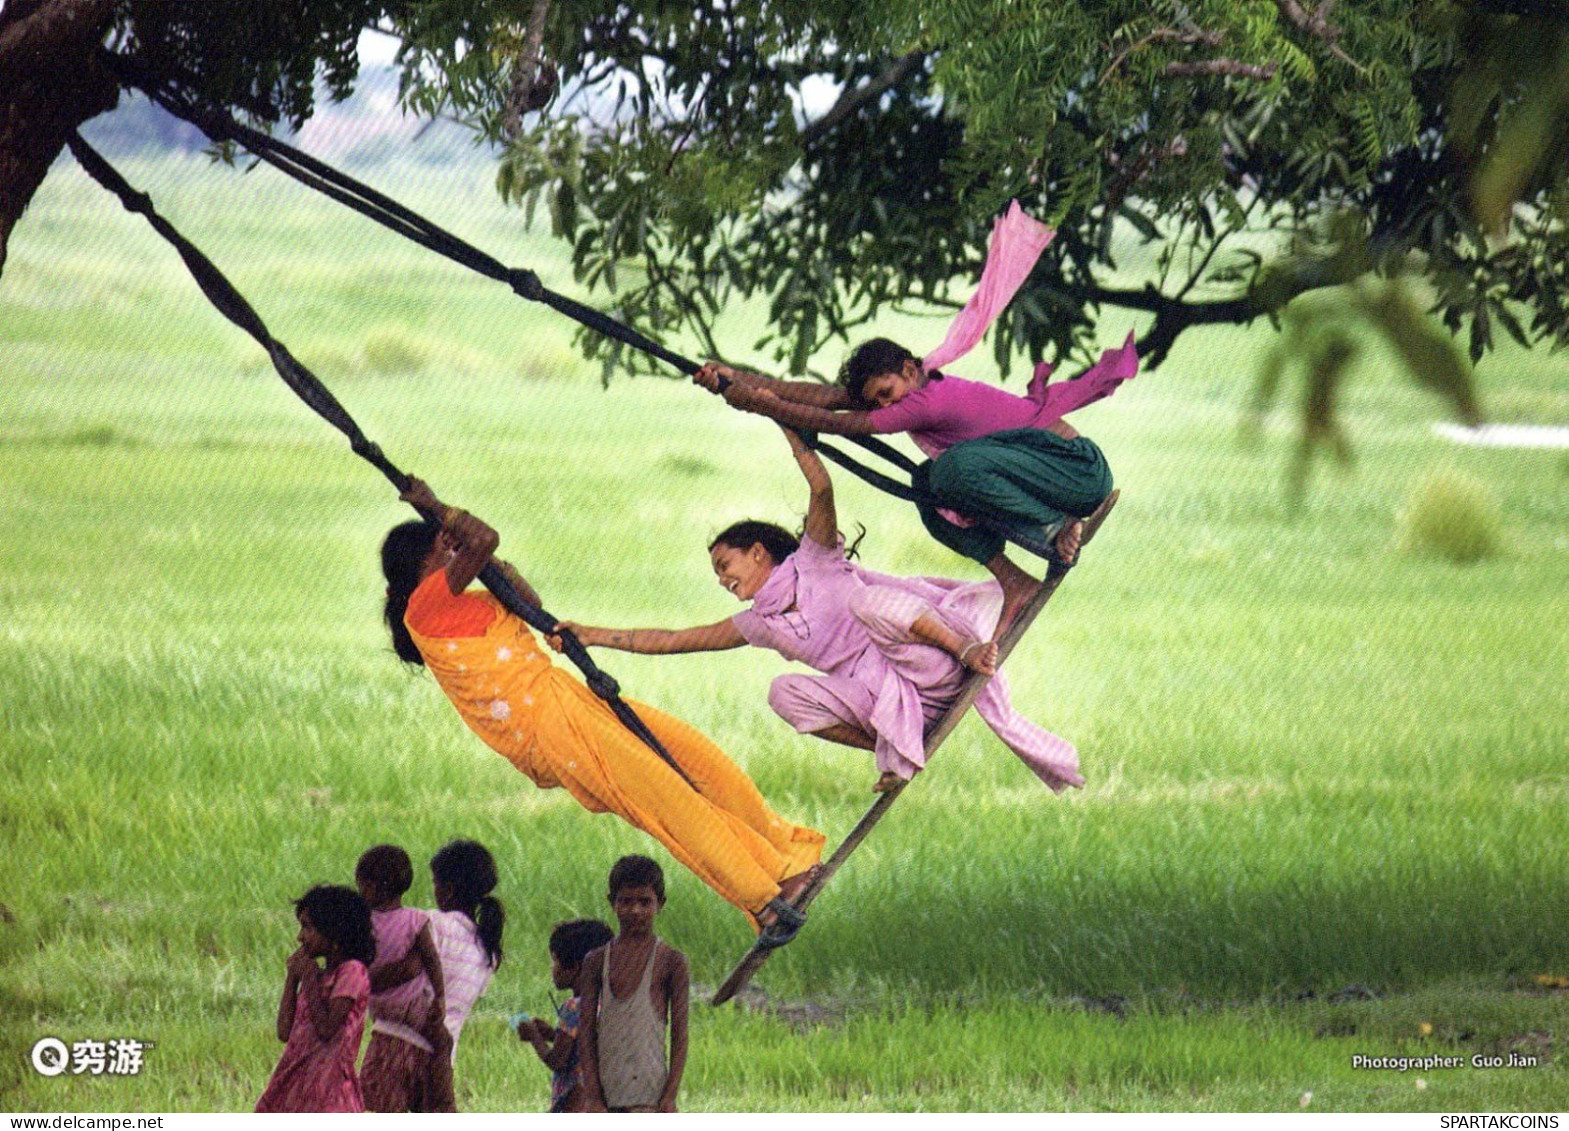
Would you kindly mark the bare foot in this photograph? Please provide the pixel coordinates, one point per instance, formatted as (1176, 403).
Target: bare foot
(1068, 541)
(1015, 595)
(886, 781)
(980, 656)
(791, 887)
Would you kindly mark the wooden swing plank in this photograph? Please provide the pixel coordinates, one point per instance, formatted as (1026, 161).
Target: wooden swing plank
(754, 958)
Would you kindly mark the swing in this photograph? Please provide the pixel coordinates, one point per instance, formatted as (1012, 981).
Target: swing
(765, 945)
(376, 206)
(232, 305)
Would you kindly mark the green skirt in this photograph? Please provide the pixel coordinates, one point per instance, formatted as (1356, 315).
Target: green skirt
(1027, 478)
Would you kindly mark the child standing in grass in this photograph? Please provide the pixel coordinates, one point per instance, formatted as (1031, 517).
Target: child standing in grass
(408, 1020)
(466, 928)
(557, 1045)
(321, 1015)
(634, 988)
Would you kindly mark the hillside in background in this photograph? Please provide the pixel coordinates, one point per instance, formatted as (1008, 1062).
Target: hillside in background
(367, 129)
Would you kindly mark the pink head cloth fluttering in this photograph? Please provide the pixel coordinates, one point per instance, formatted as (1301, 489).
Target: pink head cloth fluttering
(1017, 242)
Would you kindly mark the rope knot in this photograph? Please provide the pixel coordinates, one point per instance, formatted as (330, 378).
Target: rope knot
(526, 283)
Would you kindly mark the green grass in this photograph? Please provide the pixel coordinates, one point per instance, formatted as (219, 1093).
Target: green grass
(1313, 761)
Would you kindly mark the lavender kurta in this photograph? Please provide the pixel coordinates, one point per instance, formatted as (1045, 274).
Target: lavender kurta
(852, 624)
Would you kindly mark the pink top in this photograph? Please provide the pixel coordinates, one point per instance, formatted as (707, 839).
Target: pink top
(465, 967)
(803, 612)
(315, 1075)
(400, 1011)
(949, 410)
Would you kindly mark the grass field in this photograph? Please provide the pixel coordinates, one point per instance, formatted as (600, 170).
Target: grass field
(1328, 781)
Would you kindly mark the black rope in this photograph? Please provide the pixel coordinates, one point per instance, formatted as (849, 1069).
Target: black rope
(377, 206)
(233, 306)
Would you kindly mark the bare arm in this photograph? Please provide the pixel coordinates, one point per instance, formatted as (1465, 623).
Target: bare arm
(430, 962)
(657, 641)
(396, 973)
(552, 1045)
(471, 542)
(822, 518)
(678, 990)
(325, 1014)
(291, 993)
(588, 1032)
(435, 1029)
(807, 417)
(812, 393)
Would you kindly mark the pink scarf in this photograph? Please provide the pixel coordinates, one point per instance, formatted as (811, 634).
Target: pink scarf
(1017, 243)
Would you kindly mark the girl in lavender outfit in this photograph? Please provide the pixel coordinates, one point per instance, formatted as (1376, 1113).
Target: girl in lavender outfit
(893, 650)
(1010, 461)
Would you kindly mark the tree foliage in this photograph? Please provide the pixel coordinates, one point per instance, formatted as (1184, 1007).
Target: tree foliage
(844, 156)
(1255, 150)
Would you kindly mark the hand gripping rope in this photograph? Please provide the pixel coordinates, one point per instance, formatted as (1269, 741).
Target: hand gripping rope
(223, 295)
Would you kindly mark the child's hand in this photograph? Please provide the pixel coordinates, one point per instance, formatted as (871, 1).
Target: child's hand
(421, 496)
(301, 965)
(715, 377)
(586, 636)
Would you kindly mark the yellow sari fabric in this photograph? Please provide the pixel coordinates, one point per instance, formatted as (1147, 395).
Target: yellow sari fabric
(559, 733)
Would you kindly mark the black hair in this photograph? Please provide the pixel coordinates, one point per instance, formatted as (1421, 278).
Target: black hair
(469, 872)
(871, 359)
(778, 541)
(637, 872)
(387, 867)
(743, 535)
(403, 557)
(570, 942)
(342, 918)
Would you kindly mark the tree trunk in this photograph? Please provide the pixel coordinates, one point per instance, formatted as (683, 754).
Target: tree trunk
(50, 83)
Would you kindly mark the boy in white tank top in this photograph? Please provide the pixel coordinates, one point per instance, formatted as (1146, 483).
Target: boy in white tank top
(634, 988)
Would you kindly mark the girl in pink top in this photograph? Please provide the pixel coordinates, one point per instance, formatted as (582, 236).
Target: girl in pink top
(1008, 460)
(321, 1015)
(407, 1027)
(466, 928)
(891, 649)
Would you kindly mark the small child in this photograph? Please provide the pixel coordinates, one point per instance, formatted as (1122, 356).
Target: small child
(321, 1015)
(407, 1018)
(633, 987)
(557, 1045)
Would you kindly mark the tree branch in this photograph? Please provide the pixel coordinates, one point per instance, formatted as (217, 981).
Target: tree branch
(534, 81)
(1316, 23)
(852, 100)
(1229, 67)
(1207, 38)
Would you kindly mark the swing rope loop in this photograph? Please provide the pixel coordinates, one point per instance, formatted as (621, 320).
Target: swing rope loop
(526, 283)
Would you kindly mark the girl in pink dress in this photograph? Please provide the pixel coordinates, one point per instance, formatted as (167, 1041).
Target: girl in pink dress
(1010, 461)
(321, 1015)
(892, 650)
(407, 1027)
